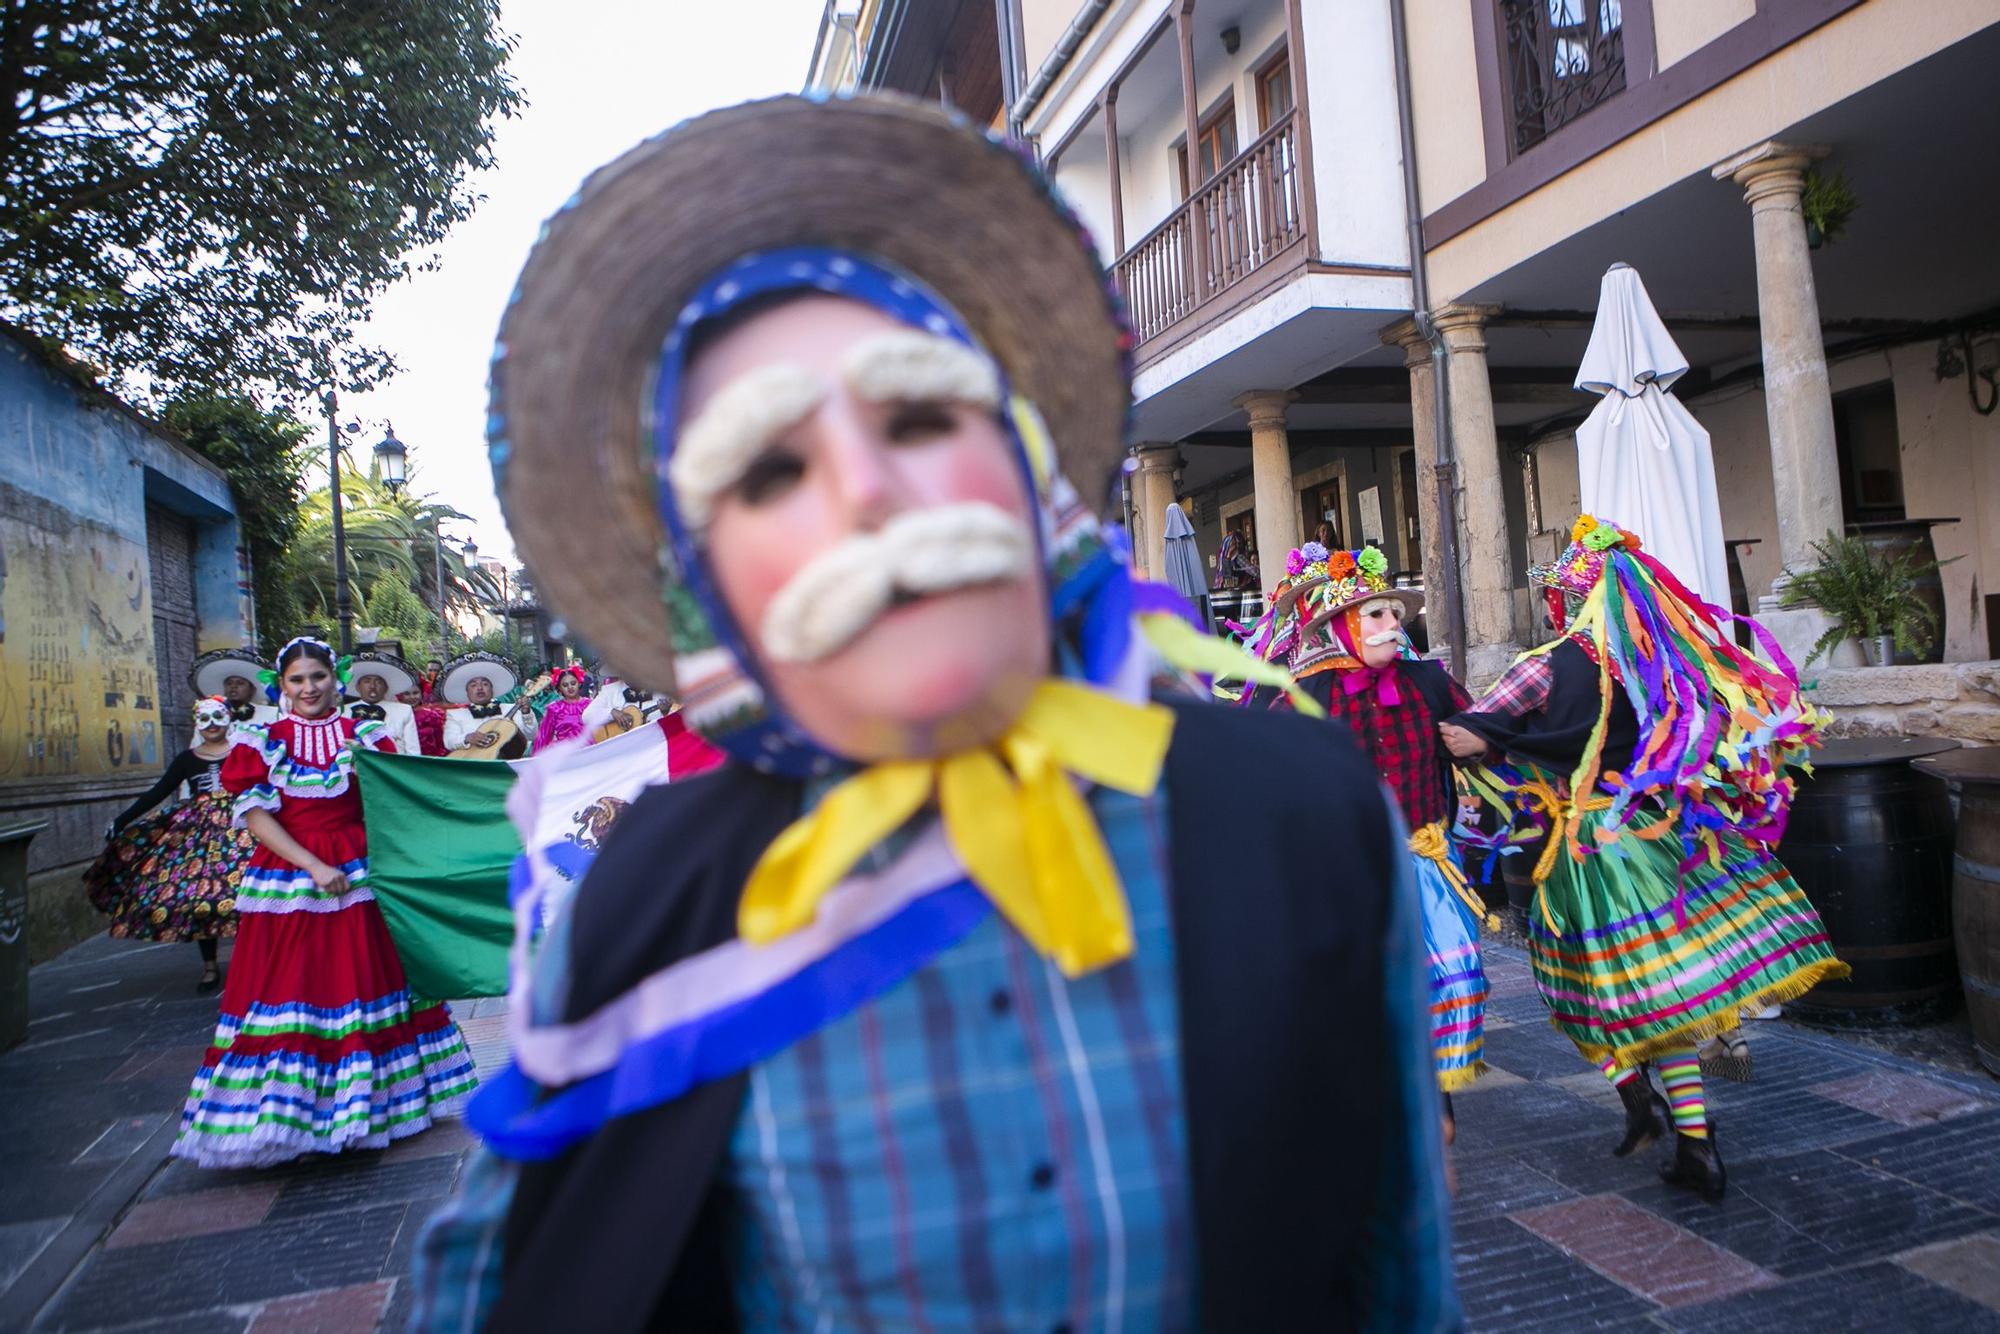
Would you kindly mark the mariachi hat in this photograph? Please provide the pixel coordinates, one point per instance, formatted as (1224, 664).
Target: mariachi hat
(461, 670)
(210, 670)
(1581, 564)
(402, 678)
(916, 190)
(1355, 577)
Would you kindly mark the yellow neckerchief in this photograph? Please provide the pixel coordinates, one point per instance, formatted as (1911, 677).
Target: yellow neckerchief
(1013, 816)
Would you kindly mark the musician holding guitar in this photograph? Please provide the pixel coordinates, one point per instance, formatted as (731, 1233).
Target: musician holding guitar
(481, 729)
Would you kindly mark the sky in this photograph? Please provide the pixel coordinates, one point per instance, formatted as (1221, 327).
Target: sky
(599, 76)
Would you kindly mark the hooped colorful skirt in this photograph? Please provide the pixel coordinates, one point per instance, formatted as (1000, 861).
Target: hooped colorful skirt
(1628, 977)
(320, 1047)
(173, 876)
(1457, 976)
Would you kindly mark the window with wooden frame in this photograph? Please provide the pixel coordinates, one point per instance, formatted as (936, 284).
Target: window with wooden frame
(1217, 141)
(1274, 90)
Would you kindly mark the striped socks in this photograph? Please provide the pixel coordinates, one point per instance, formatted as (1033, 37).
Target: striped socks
(1680, 1072)
(1617, 1076)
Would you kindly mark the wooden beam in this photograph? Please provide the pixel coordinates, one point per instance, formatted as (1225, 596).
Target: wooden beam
(1111, 167)
(1295, 61)
(1190, 105)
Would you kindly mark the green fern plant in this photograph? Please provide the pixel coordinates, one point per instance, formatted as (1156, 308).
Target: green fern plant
(1868, 592)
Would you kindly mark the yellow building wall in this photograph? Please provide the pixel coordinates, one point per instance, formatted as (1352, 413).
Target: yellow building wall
(1862, 47)
(1444, 103)
(1682, 27)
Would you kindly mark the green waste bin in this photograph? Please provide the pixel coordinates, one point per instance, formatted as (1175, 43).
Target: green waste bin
(14, 839)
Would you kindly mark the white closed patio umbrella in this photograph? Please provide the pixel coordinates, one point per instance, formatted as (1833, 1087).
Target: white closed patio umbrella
(1643, 460)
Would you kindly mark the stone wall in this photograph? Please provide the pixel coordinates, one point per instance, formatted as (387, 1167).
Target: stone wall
(1960, 700)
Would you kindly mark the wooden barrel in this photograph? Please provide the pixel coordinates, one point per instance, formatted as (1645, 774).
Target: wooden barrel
(1975, 890)
(1912, 537)
(1870, 842)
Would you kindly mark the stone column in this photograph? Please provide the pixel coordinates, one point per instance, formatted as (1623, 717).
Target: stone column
(1486, 555)
(1423, 433)
(1152, 492)
(1435, 545)
(1798, 401)
(1271, 481)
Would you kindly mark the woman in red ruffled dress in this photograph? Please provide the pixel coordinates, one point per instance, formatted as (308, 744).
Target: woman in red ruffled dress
(320, 1046)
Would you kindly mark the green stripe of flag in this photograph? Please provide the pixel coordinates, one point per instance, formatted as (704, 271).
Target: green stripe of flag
(439, 849)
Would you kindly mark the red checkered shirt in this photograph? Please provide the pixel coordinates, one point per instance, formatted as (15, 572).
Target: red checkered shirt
(1402, 741)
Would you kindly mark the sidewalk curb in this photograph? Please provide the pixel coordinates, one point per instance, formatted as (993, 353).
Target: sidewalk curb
(37, 1286)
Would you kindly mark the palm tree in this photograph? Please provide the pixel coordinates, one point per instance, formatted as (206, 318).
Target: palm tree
(387, 532)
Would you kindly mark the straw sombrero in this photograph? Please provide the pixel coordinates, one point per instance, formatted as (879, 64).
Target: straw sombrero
(901, 181)
(401, 678)
(210, 670)
(453, 679)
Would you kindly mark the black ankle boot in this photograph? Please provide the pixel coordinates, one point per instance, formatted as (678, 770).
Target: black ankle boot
(1697, 1165)
(1646, 1115)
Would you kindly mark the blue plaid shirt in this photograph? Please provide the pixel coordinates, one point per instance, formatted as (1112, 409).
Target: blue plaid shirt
(991, 1146)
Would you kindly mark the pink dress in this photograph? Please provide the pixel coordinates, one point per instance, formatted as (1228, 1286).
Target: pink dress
(563, 720)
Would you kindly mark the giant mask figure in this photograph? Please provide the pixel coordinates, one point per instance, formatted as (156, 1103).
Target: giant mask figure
(796, 447)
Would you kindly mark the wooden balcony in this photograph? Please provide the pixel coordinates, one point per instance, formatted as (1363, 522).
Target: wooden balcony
(1248, 220)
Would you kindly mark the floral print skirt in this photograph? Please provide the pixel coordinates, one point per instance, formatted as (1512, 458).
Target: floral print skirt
(173, 876)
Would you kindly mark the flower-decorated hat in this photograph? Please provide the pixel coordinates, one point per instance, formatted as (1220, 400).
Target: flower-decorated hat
(1581, 563)
(1354, 577)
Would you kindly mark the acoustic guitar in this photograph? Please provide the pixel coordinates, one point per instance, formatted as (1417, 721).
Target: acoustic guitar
(626, 718)
(510, 742)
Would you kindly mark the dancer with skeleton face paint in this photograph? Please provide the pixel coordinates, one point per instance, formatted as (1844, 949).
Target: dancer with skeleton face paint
(953, 947)
(173, 876)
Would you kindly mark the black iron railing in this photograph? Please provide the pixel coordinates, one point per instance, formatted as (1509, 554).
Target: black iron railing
(1563, 57)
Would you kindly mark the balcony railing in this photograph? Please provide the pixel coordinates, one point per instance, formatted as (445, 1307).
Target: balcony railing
(1241, 219)
(1563, 58)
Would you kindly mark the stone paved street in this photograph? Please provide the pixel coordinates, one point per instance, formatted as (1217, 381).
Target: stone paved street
(1864, 1186)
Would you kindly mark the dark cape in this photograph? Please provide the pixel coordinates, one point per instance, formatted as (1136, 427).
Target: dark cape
(1554, 738)
(1286, 1068)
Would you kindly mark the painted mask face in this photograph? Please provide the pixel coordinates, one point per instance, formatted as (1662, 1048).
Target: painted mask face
(210, 715)
(867, 525)
(371, 688)
(1381, 632)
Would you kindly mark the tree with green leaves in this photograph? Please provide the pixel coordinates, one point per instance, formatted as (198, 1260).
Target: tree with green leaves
(263, 454)
(209, 194)
(394, 607)
(387, 532)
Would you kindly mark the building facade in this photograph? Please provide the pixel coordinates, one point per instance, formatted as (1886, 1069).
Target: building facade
(1489, 160)
(120, 561)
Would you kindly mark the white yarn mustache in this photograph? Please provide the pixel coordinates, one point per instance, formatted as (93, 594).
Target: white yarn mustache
(839, 593)
(1386, 637)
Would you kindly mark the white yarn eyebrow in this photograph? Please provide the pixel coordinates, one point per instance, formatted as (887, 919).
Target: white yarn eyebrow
(921, 367)
(735, 426)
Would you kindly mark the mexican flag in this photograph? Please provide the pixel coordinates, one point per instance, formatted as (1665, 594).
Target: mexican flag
(442, 842)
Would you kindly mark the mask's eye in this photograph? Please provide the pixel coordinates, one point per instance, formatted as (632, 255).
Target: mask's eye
(770, 475)
(914, 423)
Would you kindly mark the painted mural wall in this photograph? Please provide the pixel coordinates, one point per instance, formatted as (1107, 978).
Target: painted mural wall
(81, 703)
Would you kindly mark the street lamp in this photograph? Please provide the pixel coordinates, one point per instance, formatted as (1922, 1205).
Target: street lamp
(392, 460)
(343, 600)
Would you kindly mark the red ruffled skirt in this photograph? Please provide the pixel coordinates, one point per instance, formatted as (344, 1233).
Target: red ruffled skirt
(320, 1046)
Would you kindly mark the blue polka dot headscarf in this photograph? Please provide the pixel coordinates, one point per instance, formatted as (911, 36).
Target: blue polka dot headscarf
(721, 691)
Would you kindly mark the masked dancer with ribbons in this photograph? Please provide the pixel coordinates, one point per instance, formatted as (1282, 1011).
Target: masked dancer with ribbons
(1337, 622)
(173, 876)
(320, 1047)
(1659, 751)
(976, 987)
